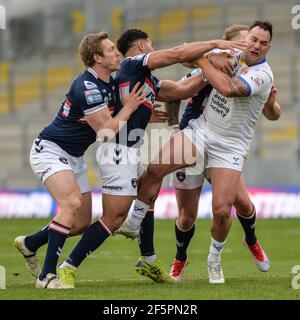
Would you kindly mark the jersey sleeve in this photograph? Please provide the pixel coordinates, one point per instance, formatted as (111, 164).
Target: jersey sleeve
(138, 63)
(256, 80)
(90, 100)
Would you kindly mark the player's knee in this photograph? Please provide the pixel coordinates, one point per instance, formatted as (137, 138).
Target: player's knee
(74, 203)
(244, 207)
(185, 221)
(221, 213)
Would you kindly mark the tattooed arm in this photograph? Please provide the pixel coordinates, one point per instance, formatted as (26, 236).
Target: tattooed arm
(228, 87)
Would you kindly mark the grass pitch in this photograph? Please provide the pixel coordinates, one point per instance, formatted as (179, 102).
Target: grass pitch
(108, 274)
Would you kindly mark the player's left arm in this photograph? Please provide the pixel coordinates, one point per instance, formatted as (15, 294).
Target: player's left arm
(272, 109)
(184, 89)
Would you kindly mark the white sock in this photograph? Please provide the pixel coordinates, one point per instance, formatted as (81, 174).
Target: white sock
(215, 250)
(136, 217)
(150, 258)
(66, 264)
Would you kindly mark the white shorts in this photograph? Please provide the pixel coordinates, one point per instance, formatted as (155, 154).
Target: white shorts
(47, 158)
(188, 178)
(217, 153)
(120, 169)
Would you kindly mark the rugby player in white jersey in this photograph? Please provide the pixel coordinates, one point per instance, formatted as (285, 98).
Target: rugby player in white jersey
(221, 137)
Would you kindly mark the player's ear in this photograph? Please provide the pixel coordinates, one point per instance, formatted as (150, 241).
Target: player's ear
(140, 45)
(97, 58)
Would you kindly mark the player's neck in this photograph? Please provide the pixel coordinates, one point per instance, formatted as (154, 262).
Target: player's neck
(133, 52)
(102, 73)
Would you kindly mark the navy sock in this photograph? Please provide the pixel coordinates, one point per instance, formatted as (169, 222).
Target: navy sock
(57, 235)
(93, 237)
(183, 239)
(147, 234)
(38, 239)
(248, 224)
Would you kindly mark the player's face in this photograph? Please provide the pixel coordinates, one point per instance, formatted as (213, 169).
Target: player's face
(258, 45)
(111, 57)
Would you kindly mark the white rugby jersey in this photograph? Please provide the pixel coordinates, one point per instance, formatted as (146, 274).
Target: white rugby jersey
(233, 119)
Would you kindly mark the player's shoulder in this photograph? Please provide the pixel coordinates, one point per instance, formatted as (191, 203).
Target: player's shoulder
(263, 68)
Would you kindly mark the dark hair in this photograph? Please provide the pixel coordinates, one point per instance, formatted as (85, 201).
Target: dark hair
(266, 25)
(128, 38)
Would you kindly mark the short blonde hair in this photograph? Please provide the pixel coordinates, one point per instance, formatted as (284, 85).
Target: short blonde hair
(233, 31)
(90, 45)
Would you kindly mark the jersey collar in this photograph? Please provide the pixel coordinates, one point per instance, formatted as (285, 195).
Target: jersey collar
(92, 71)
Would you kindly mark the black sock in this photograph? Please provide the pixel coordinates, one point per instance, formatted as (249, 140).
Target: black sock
(183, 239)
(93, 237)
(248, 224)
(147, 234)
(38, 239)
(57, 235)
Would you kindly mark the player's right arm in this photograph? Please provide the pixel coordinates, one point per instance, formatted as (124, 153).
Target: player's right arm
(189, 52)
(102, 122)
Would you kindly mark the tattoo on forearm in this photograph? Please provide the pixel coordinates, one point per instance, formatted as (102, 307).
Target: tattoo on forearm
(238, 87)
(172, 108)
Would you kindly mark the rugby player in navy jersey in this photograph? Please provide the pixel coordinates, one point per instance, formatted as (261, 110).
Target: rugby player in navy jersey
(119, 160)
(57, 154)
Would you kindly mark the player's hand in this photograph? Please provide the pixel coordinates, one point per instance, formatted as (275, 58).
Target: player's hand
(272, 97)
(221, 61)
(158, 116)
(231, 45)
(135, 98)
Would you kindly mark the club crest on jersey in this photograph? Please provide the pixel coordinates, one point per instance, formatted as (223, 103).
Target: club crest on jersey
(134, 183)
(63, 160)
(180, 176)
(93, 96)
(90, 85)
(258, 81)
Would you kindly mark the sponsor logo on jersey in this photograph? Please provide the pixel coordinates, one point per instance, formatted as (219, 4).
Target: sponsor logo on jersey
(90, 85)
(180, 176)
(66, 108)
(93, 96)
(218, 103)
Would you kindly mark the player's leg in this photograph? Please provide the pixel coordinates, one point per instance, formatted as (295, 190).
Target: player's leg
(187, 201)
(65, 190)
(178, 153)
(224, 184)
(246, 214)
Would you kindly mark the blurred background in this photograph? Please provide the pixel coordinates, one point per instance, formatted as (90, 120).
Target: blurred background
(39, 59)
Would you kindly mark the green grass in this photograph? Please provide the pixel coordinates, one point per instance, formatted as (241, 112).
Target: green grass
(109, 272)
